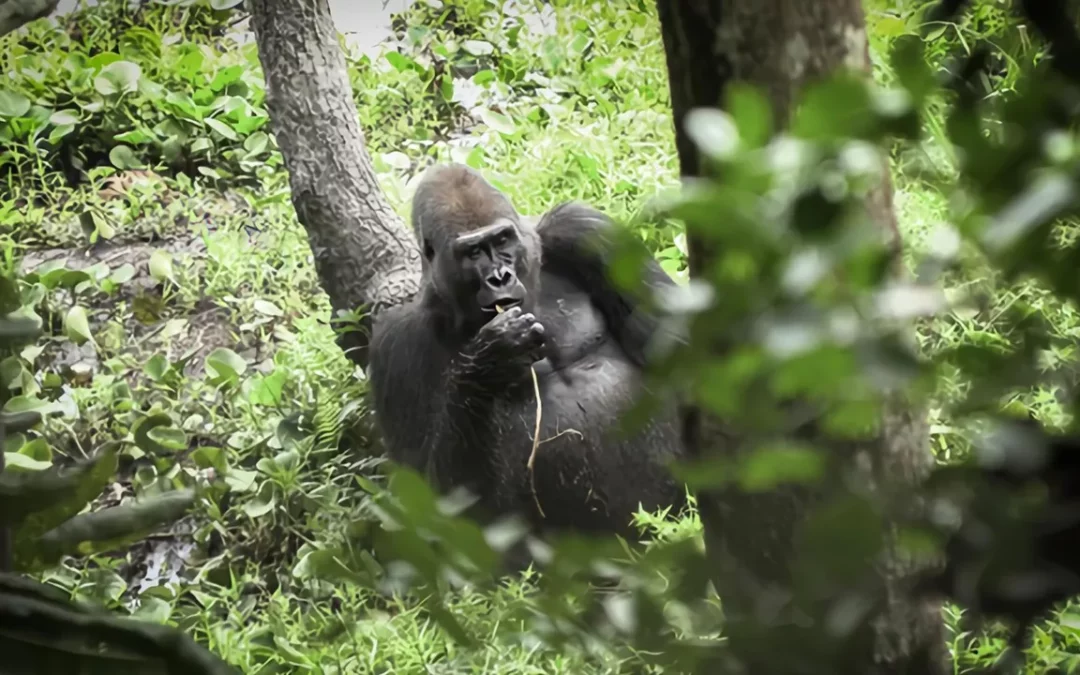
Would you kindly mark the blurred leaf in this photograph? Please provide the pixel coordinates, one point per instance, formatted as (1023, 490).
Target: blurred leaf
(15, 460)
(113, 527)
(751, 113)
(768, 467)
(37, 501)
(13, 104)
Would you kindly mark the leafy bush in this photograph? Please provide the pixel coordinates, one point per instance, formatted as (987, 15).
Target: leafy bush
(291, 568)
(131, 90)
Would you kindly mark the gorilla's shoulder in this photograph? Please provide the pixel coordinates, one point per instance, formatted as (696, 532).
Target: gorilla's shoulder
(572, 218)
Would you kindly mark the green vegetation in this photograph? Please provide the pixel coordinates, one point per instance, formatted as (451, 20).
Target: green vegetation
(195, 330)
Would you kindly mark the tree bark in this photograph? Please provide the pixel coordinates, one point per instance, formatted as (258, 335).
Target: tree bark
(779, 46)
(364, 255)
(15, 13)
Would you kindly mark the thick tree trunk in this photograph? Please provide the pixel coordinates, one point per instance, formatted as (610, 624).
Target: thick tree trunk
(364, 254)
(15, 13)
(779, 46)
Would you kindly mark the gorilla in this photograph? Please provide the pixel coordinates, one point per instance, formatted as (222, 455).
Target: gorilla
(454, 397)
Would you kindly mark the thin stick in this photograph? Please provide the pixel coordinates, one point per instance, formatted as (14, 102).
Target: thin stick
(536, 434)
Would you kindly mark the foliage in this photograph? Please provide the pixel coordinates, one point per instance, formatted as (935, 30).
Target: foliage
(41, 627)
(194, 333)
(40, 503)
(130, 88)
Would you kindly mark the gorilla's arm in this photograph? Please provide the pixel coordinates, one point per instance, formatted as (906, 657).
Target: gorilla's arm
(577, 245)
(436, 409)
(404, 362)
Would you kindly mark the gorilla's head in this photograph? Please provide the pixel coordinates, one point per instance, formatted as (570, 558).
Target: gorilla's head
(478, 253)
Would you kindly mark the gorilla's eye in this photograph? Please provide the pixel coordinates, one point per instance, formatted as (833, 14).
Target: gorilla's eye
(429, 252)
(474, 253)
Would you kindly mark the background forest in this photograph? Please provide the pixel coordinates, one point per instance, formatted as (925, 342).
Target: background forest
(188, 343)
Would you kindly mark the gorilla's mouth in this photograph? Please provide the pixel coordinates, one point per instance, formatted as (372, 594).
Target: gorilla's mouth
(502, 304)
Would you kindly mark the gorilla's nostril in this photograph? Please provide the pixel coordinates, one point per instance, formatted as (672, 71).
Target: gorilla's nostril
(500, 278)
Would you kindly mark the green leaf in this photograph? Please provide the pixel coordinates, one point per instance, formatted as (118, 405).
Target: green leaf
(161, 267)
(713, 132)
(13, 104)
(64, 118)
(256, 143)
(59, 132)
(136, 136)
(766, 467)
(478, 47)
(226, 76)
(497, 121)
(140, 432)
(752, 114)
(240, 480)
(123, 158)
(890, 26)
(156, 367)
(16, 460)
(400, 62)
(268, 308)
(837, 108)
(77, 326)
(37, 449)
(117, 78)
(222, 128)
(263, 503)
(153, 609)
(908, 61)
(210, 457)
(122, 274)
(170, 437)
(224, 365)
(267, 390)
(325, 565)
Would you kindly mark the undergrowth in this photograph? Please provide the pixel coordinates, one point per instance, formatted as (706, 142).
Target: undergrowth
(143, 131)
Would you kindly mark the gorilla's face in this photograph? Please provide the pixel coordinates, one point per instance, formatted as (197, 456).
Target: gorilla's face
(483, 270)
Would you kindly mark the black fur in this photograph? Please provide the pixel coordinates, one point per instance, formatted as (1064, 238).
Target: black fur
(453, 393)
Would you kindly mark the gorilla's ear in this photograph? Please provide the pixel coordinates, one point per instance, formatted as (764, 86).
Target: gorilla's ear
(429, 252)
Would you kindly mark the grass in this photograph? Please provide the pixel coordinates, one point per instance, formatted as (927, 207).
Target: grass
(577, 111)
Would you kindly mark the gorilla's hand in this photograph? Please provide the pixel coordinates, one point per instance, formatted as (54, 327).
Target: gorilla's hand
(508, 344)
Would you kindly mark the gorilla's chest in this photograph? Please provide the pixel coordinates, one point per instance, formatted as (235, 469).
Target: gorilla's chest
(574, 329)
(586, 378)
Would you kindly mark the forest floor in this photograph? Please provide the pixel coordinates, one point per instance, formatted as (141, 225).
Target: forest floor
(213, 316)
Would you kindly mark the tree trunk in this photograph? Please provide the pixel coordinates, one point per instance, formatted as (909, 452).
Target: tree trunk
(779, 46)
(15, 13)
(365, 257)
